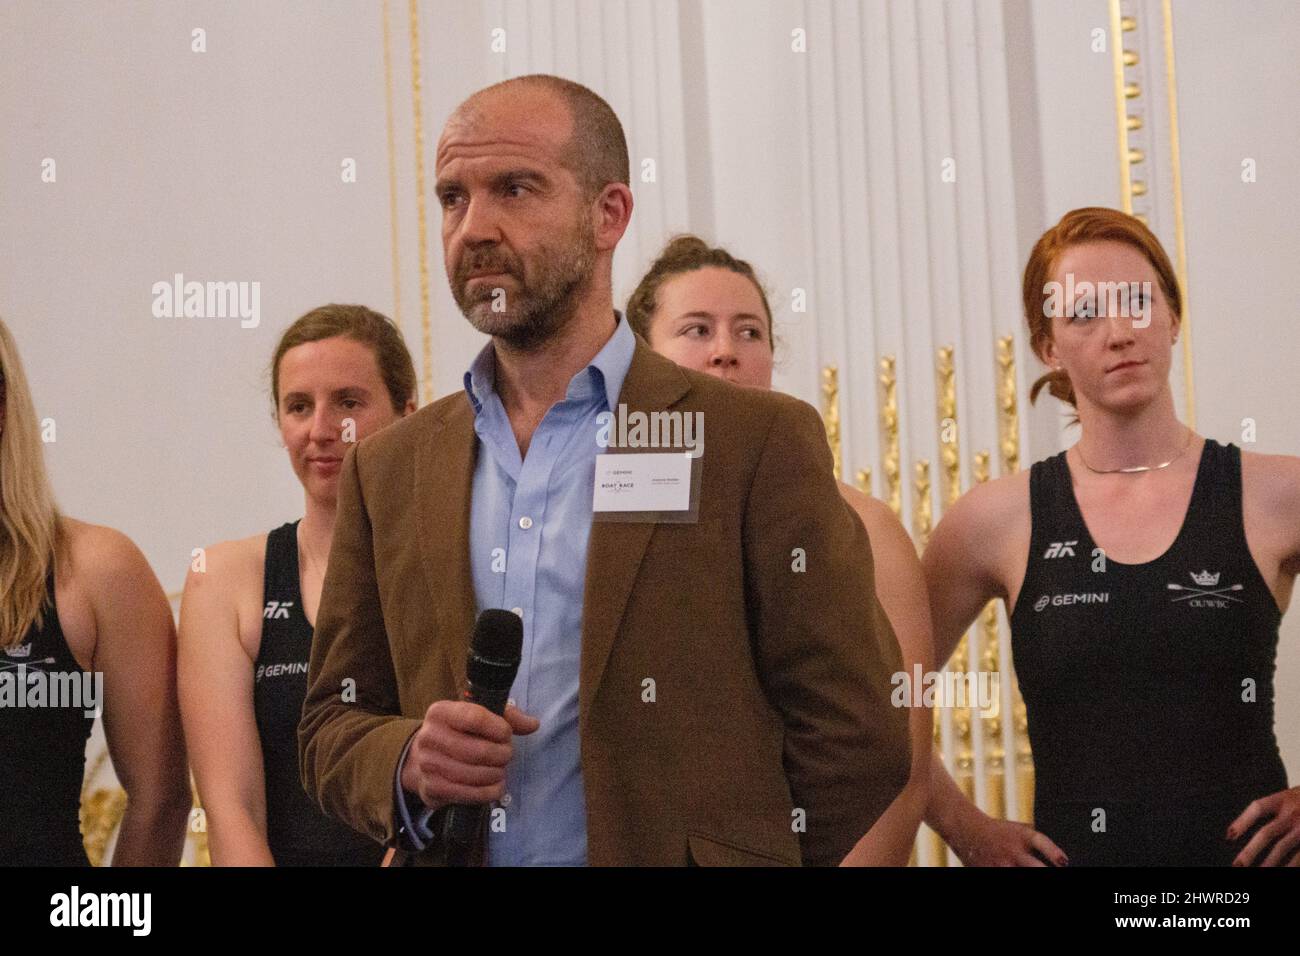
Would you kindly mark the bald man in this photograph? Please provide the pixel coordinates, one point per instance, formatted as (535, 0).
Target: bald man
(703, 681)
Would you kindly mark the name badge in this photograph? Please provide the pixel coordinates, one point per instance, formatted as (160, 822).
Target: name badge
(646, 486)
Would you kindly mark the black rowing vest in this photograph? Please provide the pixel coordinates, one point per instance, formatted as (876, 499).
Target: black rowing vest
(297, 831)
(42, 748)
(1149, 687)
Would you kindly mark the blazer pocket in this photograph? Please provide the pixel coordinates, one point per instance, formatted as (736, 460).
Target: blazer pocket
(708, 851)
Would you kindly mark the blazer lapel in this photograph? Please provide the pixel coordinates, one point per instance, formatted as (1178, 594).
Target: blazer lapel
(615, 548)
(443, 477)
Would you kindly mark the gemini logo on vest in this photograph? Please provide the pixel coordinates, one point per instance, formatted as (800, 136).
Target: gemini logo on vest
(1061, 600)
(134, 910)
(279, 670)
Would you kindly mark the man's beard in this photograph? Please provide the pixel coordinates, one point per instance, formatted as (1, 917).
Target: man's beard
(537, 311)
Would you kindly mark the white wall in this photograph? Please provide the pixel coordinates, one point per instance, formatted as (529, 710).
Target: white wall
(223, 165)
(1238, 77)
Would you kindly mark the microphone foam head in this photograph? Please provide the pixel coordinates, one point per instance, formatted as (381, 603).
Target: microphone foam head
(498, 636)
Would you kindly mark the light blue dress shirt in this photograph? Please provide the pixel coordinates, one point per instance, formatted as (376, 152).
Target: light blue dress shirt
(530, 520)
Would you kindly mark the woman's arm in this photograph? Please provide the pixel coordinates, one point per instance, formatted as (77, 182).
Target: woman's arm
(967, 563)
(1271, 511)
(135, 650)
(900, 588)
(216, 690)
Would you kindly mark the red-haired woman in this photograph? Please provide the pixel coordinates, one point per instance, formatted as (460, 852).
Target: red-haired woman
(1145, 571)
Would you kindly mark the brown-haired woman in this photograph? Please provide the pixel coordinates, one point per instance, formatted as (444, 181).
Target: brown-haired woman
(339, 373)
(1145, 571)
(706, 310)
(79, 608)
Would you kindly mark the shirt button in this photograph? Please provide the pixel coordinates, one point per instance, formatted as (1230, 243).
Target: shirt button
(525, 522)
(517, 610)
(505, 800)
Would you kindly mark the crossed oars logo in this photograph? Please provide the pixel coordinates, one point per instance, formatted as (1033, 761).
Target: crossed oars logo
(1208, 589)
(25, 665)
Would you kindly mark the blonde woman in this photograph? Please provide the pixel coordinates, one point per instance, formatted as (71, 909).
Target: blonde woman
(79, 606)
(706, 311)
(339, 373)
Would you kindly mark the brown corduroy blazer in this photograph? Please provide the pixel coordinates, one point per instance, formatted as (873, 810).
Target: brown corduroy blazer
(770, 739)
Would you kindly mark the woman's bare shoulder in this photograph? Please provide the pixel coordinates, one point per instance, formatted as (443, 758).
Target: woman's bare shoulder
(991, 507)
(868, 508)
(1270, 486)
(1275, 479)
(100, 556)
(231, 567)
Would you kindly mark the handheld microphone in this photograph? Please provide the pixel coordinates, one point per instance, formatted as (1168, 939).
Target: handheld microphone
(491, 665)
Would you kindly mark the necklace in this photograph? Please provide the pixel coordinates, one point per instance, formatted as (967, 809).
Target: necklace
(1136, 468)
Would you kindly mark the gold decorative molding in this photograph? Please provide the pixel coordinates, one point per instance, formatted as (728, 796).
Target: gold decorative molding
(922, 520)
(831, 414)
(950, 473)
(922, 517)
(1180, 240)
(1124, 91)
(422, 229)
(1009, 451)
(994, 753)
(949, 454)
(101, 813)
(891, 458)
(1008, 409)
(392, 165)
(862, 480)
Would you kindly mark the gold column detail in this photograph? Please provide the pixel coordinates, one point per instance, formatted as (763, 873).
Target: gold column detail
(950, 472)
(392, 166)
(949, 456)
(421, 221)
(1124, 91)
(1180, 241)
(921, 527)
(891, 459)
(862, 480)
(1008, 411)
(922, 518)
(101, 813)
(995, 753)
(831, 413)
(1009, 449)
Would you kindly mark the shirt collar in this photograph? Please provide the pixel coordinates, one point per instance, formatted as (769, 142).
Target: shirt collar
(607, 370)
